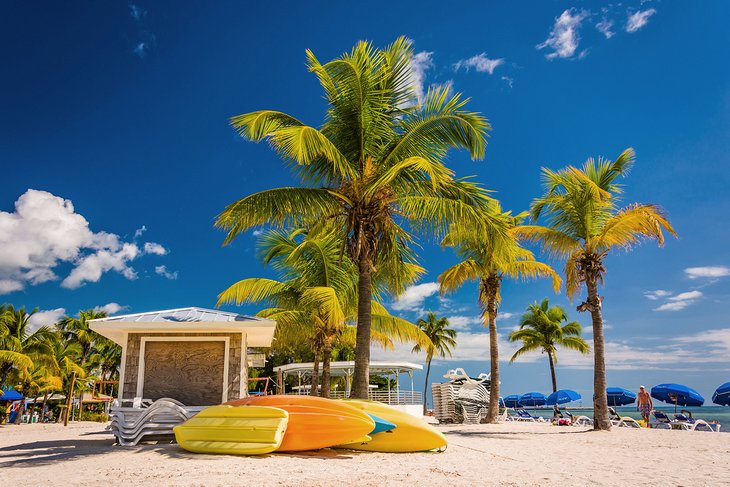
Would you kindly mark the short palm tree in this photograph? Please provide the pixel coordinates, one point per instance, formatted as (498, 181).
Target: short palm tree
(76, 330)
(542, 329)
(316, 297)
(488, 257)
(374, 166)
(16, 344)
(584, 223)
(443, 340)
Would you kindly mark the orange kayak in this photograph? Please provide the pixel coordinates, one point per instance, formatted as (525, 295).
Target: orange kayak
(315, 422)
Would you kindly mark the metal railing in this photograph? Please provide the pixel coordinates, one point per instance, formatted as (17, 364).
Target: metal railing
(387, 397)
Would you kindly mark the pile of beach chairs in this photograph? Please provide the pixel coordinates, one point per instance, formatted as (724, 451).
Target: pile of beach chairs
(462, 399)
(149, 420)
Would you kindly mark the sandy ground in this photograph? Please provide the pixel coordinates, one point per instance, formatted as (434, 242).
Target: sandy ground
(507, 454)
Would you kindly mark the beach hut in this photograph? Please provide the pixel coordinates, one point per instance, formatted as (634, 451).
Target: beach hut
(196, 356)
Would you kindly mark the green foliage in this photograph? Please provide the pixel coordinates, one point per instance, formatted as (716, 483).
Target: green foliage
(542, 329)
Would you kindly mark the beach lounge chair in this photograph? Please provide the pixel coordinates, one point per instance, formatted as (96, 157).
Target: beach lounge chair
(661, 420)
(622, 421)
(695, 424)
(578, 420)
(135, 424)
(522, 415)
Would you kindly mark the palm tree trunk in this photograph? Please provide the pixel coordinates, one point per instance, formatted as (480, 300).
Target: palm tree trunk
(326, 359)
(425, 386)
(361, 376)
(492, 289)
(69, 398)
(45, 403)
(600, 403)
(21, 407)
(314, 391)
(552, 371)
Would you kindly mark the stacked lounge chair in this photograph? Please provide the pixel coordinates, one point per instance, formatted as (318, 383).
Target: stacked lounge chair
(148, 420)
(462, 399)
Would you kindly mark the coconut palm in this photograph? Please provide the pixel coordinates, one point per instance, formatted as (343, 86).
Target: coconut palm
(442, 338)
(542, 329)
(105, 357)
(16, 346)
(316, 297)
(488, 257)
(76, 330)
(584, 223)
(374, 166)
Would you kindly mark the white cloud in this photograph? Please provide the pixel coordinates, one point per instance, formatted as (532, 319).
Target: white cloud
(604, 26)
(420, 63)
(154, 248)
(111, 308)
(161, 270)
(141, 49)
(460, 322)
(45, 231)
(639, 19)
(564, 38)
(508, 80)
(46, 317)
(138, 233)
(413, 297)
(481, 63)
(257, 233)
(659, 293)
(136, 12)
(708, 271)
(680, 301)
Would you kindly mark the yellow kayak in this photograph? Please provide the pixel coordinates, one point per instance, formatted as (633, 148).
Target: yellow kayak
(252, 430)
(411, 434)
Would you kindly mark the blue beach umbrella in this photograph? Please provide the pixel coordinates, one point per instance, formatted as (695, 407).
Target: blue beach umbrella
(10, 395)
(722, 395)
(677, 394)
(562, 396)
(618, 396)
(532, 399)
(511, 401)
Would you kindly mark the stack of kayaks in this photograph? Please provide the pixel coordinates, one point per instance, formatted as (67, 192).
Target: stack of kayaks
(265, 424)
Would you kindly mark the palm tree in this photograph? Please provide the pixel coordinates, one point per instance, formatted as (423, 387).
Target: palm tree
(106, 356)
(316, 298)
(443, 339)
(584, 223)
(16, 346)
(488, 257)
(76, 330)
(376, 164)
(541, 328)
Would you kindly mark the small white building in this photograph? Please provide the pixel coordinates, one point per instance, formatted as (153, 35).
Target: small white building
(194, 355)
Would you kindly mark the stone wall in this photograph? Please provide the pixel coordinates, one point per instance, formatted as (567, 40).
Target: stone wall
(236, 361)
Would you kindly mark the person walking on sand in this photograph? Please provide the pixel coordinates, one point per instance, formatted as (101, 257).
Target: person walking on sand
(645, 404)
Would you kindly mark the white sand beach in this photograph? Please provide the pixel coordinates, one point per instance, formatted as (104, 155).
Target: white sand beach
(507, 454)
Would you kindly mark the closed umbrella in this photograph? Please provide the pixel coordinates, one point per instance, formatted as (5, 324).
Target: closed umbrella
(618, 396)
(562, 396)
(722, 395)
(677, 394)
(512, 401)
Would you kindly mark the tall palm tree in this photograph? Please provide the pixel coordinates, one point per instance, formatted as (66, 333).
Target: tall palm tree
(375, 165)
(316, 297)
(584, 223)
(443, 339)
(76, 330)
(106, 357)
(542, 329)
(488, 257)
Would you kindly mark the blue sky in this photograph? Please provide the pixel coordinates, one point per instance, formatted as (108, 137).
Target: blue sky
(117, 154)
